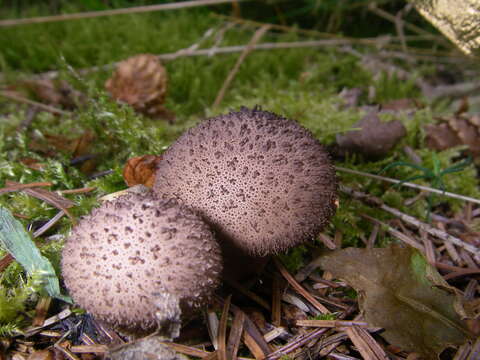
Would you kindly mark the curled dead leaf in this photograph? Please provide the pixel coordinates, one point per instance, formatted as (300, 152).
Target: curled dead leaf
(141, 170)
(374, 139)
(458, 130)
(58, 93)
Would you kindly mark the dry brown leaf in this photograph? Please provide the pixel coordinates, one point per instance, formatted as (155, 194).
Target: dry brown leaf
(401, 292)
(375, 139)
(400, 105)
(458, 130)
(141, 170)
(58, 93)
(141, 81)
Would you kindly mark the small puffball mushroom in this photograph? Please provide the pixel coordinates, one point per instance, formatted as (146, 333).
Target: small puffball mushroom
(263, 182)
(121, 258)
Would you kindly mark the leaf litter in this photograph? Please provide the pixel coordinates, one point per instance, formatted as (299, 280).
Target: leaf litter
(400, 292)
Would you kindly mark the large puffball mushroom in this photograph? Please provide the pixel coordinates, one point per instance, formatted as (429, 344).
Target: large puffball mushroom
(121, 260)
(263, 182)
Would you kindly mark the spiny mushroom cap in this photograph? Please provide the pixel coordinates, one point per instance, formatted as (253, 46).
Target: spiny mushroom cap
(262, 181)
(140, 81)
(128, 250)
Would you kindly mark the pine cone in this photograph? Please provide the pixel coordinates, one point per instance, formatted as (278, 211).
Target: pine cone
(140, 81)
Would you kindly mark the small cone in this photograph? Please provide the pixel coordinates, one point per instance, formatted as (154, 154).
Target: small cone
(140, 81)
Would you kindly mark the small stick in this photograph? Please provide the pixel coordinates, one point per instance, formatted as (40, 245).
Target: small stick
(248, 49)
(396, 233)
(366, 344)
(17, 187)
(276, 301)
(462, 272)
(408, 184)
(371, 200)
(295, 344)
(187, 350)
(235, 335)
(131, 10)
(86, 349)
(77, 191)
(49, 224)
(383, 14)
(330, 323)
(21, 99)
(299, 288)
(217, 50)
(41, 310)
(222, 331)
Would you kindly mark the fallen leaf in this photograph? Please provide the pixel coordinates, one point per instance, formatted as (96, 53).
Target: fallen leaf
(400, 292)
(58, 93)
(400, 105)
(458, 130)
(374, 139)
(141, 170)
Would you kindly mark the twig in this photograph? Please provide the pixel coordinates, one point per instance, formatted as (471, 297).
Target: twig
(235, 337)
(21, 99)
(330, 323)
(394, 232)
(295, 344)
(462, 272)
(248, 49)
(366, 344)
(276, 301)
(218, 50)
(399, 25)
(76, 191)
(385, 15)
(371, 200)
(49, 224)
(222, 330)
(299, 288)
(432, 231)
(316, 33)
(18, 187)
(132, 10)
(455, 90)
(408, 184)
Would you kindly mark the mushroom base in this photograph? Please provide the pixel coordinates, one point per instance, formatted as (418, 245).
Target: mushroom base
(240, 266)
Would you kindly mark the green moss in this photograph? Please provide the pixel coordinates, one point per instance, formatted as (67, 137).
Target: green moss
(294, 258)
(331, 316)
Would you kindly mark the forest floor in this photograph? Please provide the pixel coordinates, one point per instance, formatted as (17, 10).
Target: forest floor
(67, 141)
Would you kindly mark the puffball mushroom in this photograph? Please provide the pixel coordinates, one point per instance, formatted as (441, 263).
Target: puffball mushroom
(125, 253)
(263, 182)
